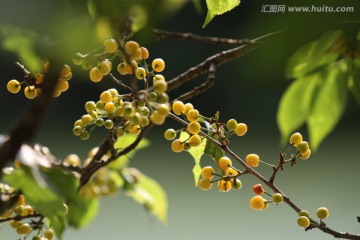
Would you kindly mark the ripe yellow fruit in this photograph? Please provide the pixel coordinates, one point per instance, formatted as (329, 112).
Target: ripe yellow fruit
(158, 65)
(194, 140)
(105, 96)
(193, 128)
(296, 138)
(257, 202)
(302, 146)
(224, 163)
(241, 129)
(13, 86)
(224, 185)
(322, 213)
(305, 155)
(207, 172)
(177, 146)
(30, 92)
(205, 184)
(110, 45)
(253, 160)
(178, 107)
(192, 115)
(95, 75)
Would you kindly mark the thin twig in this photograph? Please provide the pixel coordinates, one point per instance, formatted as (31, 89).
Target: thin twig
(202, 88)
(163, 34)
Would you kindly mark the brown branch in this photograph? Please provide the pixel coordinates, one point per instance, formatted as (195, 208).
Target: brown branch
(163, 34)
(26, 129)
(96, 163)
(202, 88)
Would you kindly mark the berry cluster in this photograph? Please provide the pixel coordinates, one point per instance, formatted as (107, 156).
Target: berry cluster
(33, 82)
(304, 221)
(227, 180)
(258, 202)
(194, 121)
(302, 147)
(20, 211)
(130, 112)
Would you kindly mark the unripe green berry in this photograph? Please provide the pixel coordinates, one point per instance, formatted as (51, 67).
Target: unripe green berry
(108, 124)
(304, 213)
(237, 184)
(277, 198)
(303, 146)
(231, 124)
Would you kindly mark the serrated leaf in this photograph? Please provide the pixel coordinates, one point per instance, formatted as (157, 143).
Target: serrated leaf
(328, 106)
(295, 104)
(218, 7)
(313, 56)
(122, 143)
(147, 191)
(196, 153)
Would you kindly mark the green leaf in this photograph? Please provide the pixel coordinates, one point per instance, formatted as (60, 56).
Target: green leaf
(23, 43)
(218, 7)
(196, 153)
(295, 104)
(83, 211)
(39, 196)
(122, 143)
(313, 56)
(328, 106)
(147, 191)
(354, 83)
(213, 150)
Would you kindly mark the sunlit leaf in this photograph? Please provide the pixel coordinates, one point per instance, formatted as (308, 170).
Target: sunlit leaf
(218, 7)
(196, 153)
(147, 191)
(295, 104)
(122, 143)
(313, 56)
(213, 150)
(328, 106)
(23, 43)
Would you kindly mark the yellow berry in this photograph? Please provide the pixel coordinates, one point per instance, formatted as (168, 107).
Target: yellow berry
(178, 107)
(144, 53)
(187, 108)
(322, 213)
(30, 92)
(302, 146)
(224, 185)
(257, 202)
(303, 221)
(158, 65)
(105, 96)
(192, 115)
(241, 129)
(224, 163)
(205, 184)
(295, 139)
(110, 45)
(121, 68)
(49, 234)
(140, 73)
(157, 118)
(95, 75)
(72, 160)
(193, 128)
(231, 124)
(194, 140)
(104, 67)
(13, 86)
(110, 107)
(305, 155)
(160, 86)
(131, 47)
(207, 172)
(177, 146)
(23, 229)
(253, 160)
(170, 134)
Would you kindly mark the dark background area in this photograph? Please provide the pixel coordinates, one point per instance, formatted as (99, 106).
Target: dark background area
(248, 89)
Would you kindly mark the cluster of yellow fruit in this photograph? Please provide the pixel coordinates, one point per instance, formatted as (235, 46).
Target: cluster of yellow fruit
(33, 82)
(102, 183)
(128, 113)
(122, 112)
(194, 120)
(132, 61)
(227, 180)
(302, 146)
(21, 211)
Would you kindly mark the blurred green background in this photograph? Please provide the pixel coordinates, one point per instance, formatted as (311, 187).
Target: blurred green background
(248, 89)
